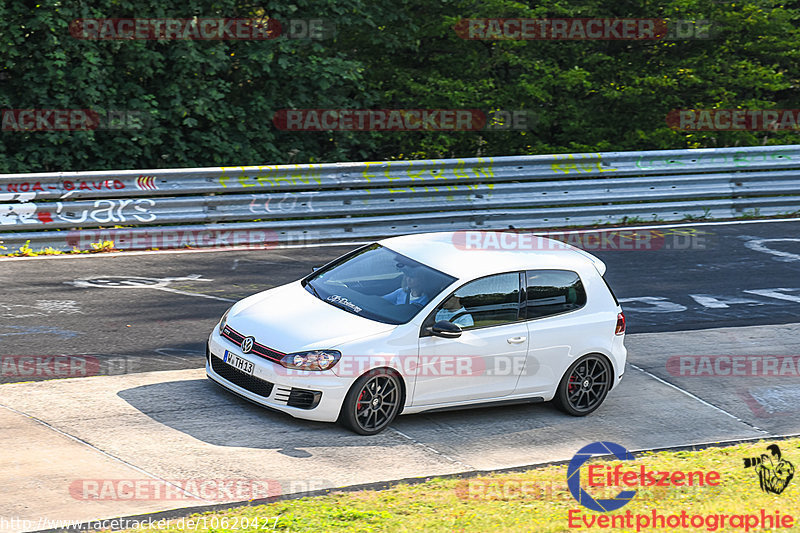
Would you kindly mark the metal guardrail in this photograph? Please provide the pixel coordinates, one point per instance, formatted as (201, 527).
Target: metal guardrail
(288, 204)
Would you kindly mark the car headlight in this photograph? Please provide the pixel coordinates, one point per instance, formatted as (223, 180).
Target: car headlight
(311, 360)
(224, 320)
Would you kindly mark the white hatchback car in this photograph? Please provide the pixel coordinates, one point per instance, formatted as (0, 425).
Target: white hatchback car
(422, 322)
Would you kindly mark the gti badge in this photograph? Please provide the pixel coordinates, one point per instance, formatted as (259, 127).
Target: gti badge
(247, 344)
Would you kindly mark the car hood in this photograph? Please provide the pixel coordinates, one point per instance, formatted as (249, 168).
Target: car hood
(290, 319)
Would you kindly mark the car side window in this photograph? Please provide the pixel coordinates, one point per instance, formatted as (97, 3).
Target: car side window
(552, 292)
(488, 301)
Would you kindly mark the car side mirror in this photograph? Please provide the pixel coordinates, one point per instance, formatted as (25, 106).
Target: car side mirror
(445, 329)
(314, 269)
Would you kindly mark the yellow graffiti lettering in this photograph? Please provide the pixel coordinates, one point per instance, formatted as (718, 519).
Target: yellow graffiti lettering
(584, 164)
(555, 166)
(414, 175)
(263, 177)
(365, 174)
(564, 167)
(458, 170)
(600, 167)
(285, 178)
(438, 173)
(301, 174)
(487, 170)
(223, 178)
(410, 174)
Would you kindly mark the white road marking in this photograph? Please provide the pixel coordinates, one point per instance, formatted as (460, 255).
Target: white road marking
(40, 330)
(658, 304)
(136, 282)
(777, 293)
(40, 308)
(132, 282)
(758, 246)
(176, 291)
(717, 302)
(433, 450)
(690, 395)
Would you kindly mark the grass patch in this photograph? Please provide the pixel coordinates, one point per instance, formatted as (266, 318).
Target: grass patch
(491, 503)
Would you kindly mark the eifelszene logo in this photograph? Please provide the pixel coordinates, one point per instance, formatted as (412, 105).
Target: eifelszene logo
(774, 472)
(611, 478)
(574, 476)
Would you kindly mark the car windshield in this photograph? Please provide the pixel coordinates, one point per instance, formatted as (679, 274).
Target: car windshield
(379, 284)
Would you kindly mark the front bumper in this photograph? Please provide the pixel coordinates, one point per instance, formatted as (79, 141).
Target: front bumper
(307, 395)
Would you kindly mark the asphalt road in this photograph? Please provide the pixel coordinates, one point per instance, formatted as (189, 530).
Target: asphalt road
(168, 429)
(133, 313)
(125, 315)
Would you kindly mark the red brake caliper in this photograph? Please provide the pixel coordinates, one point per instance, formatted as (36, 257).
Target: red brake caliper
(358, 403)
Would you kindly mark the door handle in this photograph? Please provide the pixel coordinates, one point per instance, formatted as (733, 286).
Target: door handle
(516, 340)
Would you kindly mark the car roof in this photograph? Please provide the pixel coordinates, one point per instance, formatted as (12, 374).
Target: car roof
(472, 254)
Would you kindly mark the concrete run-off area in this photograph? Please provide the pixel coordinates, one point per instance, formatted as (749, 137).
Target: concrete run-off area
(120, 445)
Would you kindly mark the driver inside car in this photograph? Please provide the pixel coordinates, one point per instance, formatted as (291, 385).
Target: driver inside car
(412, 291)
(454, 312)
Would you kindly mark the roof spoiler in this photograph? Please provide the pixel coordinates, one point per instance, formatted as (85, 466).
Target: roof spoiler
(598, 264)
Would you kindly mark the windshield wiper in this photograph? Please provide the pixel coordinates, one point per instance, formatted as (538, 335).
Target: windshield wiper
(313, 290)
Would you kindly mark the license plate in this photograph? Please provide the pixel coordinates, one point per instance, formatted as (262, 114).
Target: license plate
(239, 362)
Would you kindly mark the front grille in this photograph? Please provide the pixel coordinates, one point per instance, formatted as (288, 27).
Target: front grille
(304, 399)
(258, 349)
(237, 377)
(232, 335)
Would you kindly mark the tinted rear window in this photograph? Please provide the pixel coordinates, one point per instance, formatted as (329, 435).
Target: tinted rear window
(552, 292)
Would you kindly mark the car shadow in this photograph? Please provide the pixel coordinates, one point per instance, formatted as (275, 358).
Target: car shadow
(205, 411)
(202, 409)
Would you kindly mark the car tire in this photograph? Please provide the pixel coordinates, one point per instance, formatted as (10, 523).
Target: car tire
(585, 385)
(373, 402)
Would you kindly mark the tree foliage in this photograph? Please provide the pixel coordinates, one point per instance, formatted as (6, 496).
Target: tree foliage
(211, 102)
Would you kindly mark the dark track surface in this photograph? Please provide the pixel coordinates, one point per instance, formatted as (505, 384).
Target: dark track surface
(144, 328)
